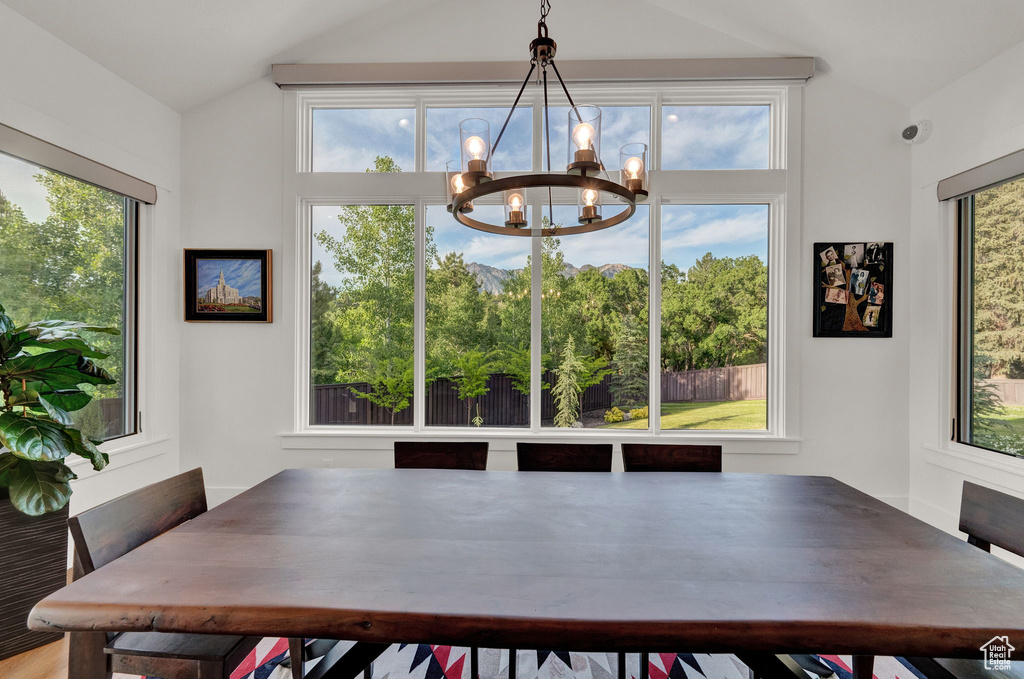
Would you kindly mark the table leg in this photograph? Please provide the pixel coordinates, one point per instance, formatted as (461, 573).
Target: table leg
(645, 666)
(340, 664)
(474, 663)
(86, 659)
(513, 654)
(863, 666)
(768, 666)
(622, 665)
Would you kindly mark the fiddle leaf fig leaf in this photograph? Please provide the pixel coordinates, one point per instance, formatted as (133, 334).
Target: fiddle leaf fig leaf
(75, 326)
(37, 488)
(28, 399)
(7, 460)
(33, 438)
(56, 413)
(86, 447)
(56, 369)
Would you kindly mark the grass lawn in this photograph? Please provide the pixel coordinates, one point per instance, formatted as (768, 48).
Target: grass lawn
(1009, 423)
(710, 415)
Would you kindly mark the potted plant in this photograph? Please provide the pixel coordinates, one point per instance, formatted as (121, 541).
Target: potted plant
(42, 367)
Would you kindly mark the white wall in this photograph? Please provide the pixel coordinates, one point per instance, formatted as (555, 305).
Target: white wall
(976, 119)
(236, 398)
(51, 91)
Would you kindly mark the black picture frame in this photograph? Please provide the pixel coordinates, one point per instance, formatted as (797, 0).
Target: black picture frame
(856, 299)
(228, 304)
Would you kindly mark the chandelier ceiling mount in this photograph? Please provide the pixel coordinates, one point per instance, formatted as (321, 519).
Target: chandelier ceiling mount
(472, 178)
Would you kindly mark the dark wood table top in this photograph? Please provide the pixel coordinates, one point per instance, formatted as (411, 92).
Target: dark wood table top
(639, 561)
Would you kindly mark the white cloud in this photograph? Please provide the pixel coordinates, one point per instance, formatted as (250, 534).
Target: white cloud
(686, 229)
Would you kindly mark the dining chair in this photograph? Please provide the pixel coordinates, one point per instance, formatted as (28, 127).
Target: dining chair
(989, 518)
(115, 528)
(564, 457)
(471, 455)
(644, 457)
(441, 455)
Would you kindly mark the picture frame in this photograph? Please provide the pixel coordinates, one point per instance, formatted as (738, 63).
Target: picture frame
(229, 286)
(853, 289)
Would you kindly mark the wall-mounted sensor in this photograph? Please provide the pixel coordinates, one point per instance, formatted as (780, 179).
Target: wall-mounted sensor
(918, 132)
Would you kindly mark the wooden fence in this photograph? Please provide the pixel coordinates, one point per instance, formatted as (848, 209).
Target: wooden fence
(736, 383)
(502, 406)
(505, 406)
(1010, 392)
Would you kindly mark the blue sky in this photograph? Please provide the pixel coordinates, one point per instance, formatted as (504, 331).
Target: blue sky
(715, 137)
(694, 137)
(348, 140)
(243, 274)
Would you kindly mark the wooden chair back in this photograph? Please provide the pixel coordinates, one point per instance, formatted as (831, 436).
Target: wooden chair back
(117, 527)
(992, 518)
(564, 457)
(643, 457)
(441, 455)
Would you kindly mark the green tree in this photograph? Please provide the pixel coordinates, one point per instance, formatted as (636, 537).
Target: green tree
(325, 334)
(473, 371)
(629, 382)
(999, 274)
(375, 254)
(568, 389)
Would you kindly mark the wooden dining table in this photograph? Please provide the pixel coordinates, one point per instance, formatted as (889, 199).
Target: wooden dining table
(751, 564)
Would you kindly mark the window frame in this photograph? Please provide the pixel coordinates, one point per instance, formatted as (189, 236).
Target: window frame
(133, 207)
(778, 187)
(961, 396)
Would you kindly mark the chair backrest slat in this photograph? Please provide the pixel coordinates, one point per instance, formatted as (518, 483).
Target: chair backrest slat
(117, 527)
(441, 455)
(992, 517)
(643, 457)
(564, 457)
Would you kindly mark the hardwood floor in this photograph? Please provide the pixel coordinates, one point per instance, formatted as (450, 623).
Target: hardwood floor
(45, 662)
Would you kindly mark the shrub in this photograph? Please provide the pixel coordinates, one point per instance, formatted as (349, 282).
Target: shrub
(638, 413)
(613, 415)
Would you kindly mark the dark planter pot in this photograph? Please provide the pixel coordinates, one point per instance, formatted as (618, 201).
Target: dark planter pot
(33, 564)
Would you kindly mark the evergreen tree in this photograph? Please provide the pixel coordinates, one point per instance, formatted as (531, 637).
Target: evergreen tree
(629, 382)
(567, 389)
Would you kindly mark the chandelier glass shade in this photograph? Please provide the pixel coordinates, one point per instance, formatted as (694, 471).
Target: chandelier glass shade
(601, 202)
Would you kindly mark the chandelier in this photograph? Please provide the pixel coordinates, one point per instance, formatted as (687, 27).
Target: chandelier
(472, 178)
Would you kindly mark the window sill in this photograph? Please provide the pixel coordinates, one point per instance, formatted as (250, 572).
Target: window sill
(329, 438)
(958, 457)
(145, 448)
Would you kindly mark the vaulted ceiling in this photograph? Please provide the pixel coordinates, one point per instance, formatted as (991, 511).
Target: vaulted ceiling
(187, 52)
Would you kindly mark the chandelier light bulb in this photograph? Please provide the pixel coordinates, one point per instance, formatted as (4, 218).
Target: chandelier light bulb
(583, 136)
(634, 166)
(475, 146)
(514, 214)
(589, 197)
(458, 186)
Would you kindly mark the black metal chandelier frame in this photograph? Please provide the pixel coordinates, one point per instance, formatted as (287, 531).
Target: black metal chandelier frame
(580, 175)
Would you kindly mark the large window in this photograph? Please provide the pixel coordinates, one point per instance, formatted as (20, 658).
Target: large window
(67, 251)
(991, 408)
(416, 321)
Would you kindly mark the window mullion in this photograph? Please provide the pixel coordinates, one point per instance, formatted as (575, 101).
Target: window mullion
(536, 282)
(419, 414)
(654, 318)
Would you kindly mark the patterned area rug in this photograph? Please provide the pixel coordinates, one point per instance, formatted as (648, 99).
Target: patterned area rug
(422, 661)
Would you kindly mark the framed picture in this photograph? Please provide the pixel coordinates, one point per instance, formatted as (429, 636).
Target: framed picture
(228, 285)
(853, 289)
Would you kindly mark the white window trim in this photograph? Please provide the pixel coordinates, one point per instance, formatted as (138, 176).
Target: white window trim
(778, 187)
